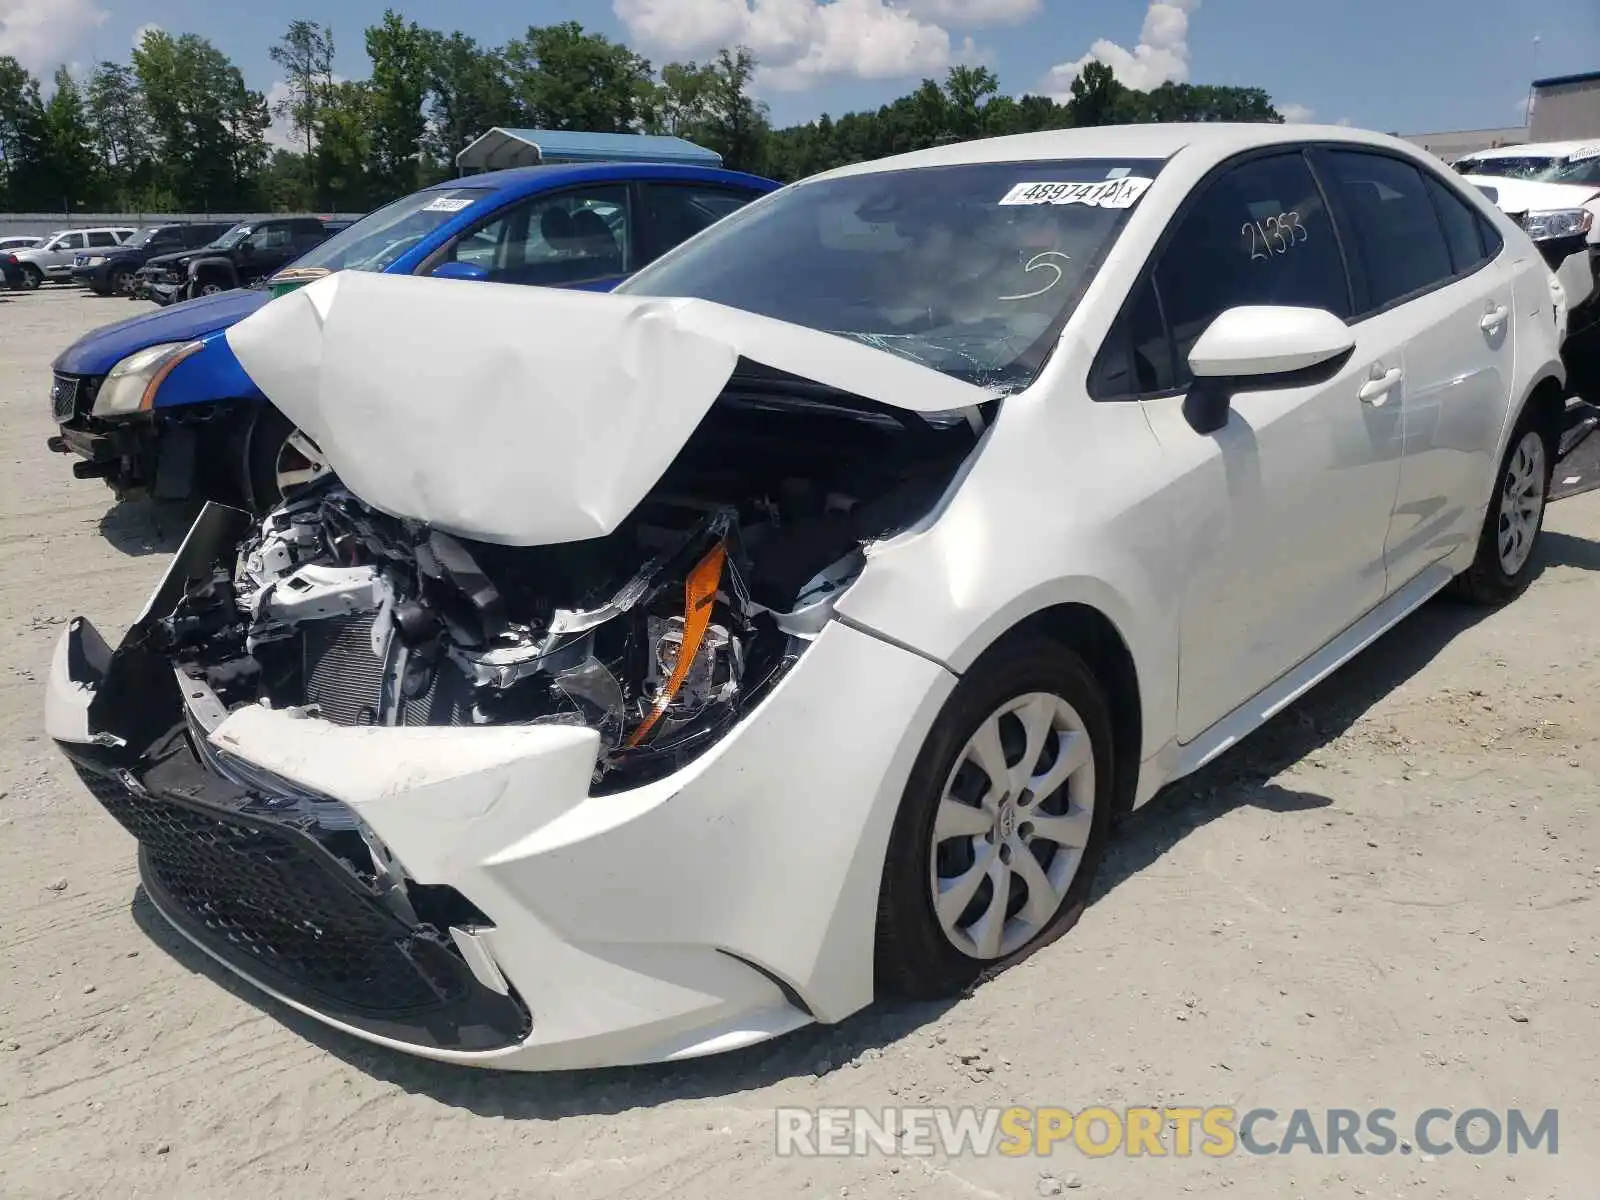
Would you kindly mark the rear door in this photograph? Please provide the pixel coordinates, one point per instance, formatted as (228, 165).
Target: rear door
(1427, 284)
(672, 213)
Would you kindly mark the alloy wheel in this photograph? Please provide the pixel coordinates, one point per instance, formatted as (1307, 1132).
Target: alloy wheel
(1522, 501)
(1012, 824)
(300, 462)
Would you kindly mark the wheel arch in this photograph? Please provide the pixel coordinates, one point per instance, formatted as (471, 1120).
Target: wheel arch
(1095, 638)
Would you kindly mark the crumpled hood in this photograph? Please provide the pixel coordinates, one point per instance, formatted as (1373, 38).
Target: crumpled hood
(522, 415)
(1529, 195)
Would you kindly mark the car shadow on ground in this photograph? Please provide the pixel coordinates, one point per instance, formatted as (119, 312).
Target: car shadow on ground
(139, 527)
(1240, 778)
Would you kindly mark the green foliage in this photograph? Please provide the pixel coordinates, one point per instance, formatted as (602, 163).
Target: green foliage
(177, 128)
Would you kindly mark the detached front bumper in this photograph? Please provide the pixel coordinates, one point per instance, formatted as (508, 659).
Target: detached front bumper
(725, 904)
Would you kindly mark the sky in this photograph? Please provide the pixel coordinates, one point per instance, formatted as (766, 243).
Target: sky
(1407, 66)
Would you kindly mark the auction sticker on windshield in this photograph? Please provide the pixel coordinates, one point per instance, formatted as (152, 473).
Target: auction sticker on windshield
(1111, 193)
(448, 204)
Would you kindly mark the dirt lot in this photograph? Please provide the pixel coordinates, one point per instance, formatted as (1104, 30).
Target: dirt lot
(1386, 899)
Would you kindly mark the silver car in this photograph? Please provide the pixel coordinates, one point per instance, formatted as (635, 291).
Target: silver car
(52, 259)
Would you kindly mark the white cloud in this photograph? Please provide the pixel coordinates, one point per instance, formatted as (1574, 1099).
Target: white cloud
(1161, 55)
(974, 12)
(1295, 114)
(38, 33)
(801, 42)
(1345, 121)
(139, 33)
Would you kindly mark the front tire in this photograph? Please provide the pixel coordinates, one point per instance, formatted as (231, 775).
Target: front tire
(1504, 565)
(32, 277)
(1002, 824)
(119, 282)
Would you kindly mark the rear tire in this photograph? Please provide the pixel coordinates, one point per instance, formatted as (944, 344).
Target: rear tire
(1009, 887)
(1509, 540)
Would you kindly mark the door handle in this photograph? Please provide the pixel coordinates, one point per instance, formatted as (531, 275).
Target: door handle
(1494, 318)
(1376, 390)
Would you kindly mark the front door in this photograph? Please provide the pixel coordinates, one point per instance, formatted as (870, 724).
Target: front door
(1284, 511)
(577, 238)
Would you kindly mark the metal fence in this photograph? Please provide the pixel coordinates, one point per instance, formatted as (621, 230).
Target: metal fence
(22, 224)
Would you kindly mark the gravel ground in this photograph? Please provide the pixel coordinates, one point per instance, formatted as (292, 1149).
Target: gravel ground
(1385, 899)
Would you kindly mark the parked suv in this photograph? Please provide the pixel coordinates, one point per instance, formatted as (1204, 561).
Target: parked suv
(110, 270)
(53, 258)
(251, 250)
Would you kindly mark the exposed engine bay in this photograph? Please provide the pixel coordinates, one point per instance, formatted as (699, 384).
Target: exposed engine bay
(659, 635)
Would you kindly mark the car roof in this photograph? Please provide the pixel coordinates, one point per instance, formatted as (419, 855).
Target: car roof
(1215, 140)
(518, 180)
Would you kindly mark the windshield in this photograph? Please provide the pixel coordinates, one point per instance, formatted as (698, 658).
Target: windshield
(375, 241)
(1523, 167)
(971, 270)
(233, 237)
(1575, 170)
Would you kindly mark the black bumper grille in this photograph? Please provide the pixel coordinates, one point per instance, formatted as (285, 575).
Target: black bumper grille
(274, 903)
(265, 893)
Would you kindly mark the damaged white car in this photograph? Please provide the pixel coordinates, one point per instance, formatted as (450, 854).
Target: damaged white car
(665, 670)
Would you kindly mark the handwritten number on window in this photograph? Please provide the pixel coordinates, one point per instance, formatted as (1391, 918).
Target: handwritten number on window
(1274, 236)
(1040, 262)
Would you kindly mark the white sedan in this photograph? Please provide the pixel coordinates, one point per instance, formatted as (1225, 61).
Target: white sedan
(665, 670)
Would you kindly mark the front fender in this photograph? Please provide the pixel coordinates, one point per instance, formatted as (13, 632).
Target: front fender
(202, 267)
(1061, 505)
(211, 375)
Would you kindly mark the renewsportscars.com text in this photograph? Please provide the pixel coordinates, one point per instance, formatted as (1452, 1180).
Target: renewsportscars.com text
(1214, 1132)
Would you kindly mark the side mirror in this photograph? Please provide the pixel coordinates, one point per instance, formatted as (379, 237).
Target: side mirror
(459, 270)
(1255, 347)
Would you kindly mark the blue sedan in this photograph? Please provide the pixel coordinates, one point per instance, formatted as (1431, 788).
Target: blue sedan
(158, 404)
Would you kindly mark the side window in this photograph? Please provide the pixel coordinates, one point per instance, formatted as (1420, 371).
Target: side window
(1258, 234)
(1398, 239)
(1136, 359)
(1460, 224)
(1493, 243)
(271, 237)
(102, 238)
(552, 240)
(73, 241)
(675, 212)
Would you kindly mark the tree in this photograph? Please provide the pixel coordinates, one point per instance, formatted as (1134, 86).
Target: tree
(564, 78)
(305, 52)
(207, 128)
(400, 53)
(344, 147)
(71, 165)
(470, 95)
(711, 105)
(1095, 95)
(117, 117)
(968, 90)
(24, 179)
